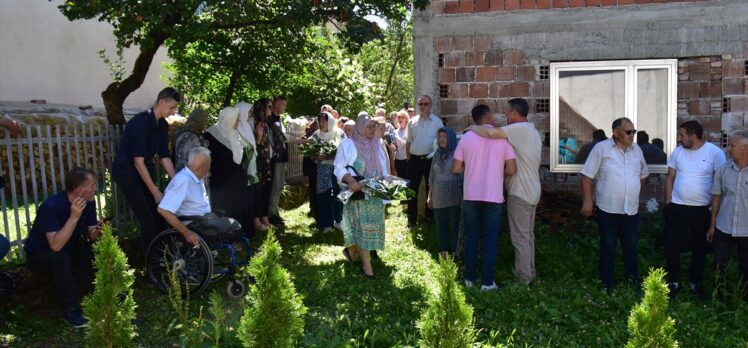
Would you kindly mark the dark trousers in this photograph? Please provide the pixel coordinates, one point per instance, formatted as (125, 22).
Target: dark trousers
(262, 198)
(482, 222)
(248, 226)
(61, 266)
(685, 226)
(447, 227)
(615, 227)
(418, 167)
(401, 167)
(724, 244)
(143, 206)
(329, 208)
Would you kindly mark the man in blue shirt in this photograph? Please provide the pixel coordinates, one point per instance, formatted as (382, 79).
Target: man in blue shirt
(56, 241)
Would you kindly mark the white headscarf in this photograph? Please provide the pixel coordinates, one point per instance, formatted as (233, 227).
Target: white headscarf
(246, 130)
(332, 134)
(225, 133)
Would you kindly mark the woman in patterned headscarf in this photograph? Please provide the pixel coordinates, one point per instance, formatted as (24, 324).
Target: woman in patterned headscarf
(363, 220)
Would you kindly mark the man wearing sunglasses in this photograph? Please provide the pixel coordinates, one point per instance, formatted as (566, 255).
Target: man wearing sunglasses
(619, 168)
(422, 133)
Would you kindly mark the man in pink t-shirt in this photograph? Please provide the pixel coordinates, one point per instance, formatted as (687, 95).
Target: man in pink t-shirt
(484, 162)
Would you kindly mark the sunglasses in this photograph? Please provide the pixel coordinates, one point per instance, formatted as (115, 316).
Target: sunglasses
(424, 104)
(630, 132)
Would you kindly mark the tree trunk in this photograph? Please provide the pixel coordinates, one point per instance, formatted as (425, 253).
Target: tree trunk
(116, 93)
(394, 64)
(232, 86)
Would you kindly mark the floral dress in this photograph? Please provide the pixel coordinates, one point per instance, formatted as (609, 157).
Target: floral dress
(264, 158)
(363, 220)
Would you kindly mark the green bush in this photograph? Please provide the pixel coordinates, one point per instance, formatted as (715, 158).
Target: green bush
(447, 320)
(649, 324)
(191, 328)
(273, 313)
(110, 309)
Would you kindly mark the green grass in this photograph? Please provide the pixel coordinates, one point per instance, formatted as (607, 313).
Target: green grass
(563, 308)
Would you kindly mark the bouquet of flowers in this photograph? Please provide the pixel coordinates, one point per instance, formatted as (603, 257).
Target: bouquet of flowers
(388, 187)
(315, 148)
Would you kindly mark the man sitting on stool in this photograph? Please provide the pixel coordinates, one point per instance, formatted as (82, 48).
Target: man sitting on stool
(56, 241)
(186, 195)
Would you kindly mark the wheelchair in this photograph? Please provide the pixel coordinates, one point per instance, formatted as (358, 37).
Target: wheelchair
(219, 255)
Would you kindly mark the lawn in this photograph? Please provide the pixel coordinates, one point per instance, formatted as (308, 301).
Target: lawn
(563, 308)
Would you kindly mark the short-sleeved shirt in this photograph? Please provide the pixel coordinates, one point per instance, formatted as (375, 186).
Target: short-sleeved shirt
(731, 184)
(422, 134)
(618, 173)
(528, 147)
(51, 217)
(280, 141)
(694, 173)
(484, 166)
(186, 195)
(145, 137)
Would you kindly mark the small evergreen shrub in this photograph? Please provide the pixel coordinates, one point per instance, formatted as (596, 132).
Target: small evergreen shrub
(447, 320)
(273, 313)
(110, 309)
(649, 324)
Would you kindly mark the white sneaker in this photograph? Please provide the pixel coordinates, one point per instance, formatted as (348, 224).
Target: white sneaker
(468, 284)
(338, 225)
(489, 287)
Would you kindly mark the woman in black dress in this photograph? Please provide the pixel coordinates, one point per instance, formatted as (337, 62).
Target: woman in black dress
(261, 112)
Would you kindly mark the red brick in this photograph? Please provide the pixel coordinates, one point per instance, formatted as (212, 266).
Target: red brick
(497, 5)
(715, 89)
(699, 107)
(593, 3)
(577, 3)
(513, 57)
(446, 75)
(733, 68)
(505, 90)
(465, 74)
(485, 73)
(494, 57)
(496, 88)
(448, 107)
(625, 2)
(540, 89)
(688, 90)
(643, 1)
(437, 8)
(454, 59)
(732, 86)
(699, 72)
(452, 7)
(739, 103)
(482, 5)
(443, 44)
(458, 90)
(544, 4)
(609, 2)
(519, 89)
(511, 5)
(560, 3)
(527, 4)
(483, 43)
(506, 73)
(711, 123)
(474, 58)
(463, 43)
(466, 6)
(491, 103)
(526, 73)
(478, 90)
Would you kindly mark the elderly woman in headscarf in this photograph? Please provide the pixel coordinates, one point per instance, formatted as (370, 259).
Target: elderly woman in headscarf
(228, 170)
(445, 193)
(329, 209)
(189, 136)
(263, 137)
(363, 220)
(246, 131)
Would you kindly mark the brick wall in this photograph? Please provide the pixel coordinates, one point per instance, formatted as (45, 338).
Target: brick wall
(447, 7)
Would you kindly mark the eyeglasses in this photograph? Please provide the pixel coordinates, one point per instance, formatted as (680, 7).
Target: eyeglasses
(630, 132)
(424, 104)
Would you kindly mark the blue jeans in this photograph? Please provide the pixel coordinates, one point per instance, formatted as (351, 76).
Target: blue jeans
(4, 246)
(482, 221)
(447, 227)
(329, 209)
(614, 227)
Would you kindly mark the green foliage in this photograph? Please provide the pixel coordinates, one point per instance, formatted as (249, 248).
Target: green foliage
(650, 325)
(110, 309)
(274, 314)
(218, 324)
(191, 329)
(116, 67)
(447, 321)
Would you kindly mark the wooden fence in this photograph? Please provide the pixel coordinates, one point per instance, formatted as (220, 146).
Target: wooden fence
(34, 167)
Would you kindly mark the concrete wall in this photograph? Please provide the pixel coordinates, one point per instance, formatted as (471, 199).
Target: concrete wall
(45, 56)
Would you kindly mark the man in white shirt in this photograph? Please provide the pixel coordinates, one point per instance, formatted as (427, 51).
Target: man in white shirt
(186, 195)
(422, 132)
(523, 187)
(688, 188)
(619, 167)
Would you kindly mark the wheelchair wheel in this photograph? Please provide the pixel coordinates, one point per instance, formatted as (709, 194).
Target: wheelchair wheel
(169, 251)
(236, 289)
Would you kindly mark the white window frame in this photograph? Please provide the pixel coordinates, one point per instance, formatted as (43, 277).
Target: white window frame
(630, 68)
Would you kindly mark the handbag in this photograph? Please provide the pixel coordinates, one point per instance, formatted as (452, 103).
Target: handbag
(360, 194)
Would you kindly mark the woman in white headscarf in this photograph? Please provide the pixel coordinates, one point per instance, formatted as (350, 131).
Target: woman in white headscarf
(329, 209)
(363, 220)
(246, 130)
(228, 170)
